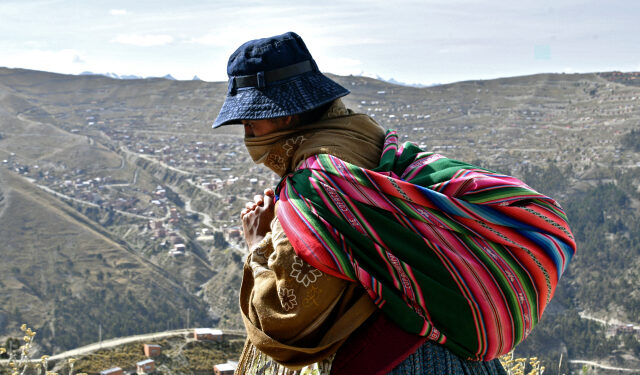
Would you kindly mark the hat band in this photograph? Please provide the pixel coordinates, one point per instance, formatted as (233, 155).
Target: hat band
(261, 79)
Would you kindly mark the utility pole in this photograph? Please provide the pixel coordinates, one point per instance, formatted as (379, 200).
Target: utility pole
(188, 316)
(560, 364)
(100, 333)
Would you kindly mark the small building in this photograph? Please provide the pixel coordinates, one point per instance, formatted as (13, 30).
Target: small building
(112, 371)
(146, 366)
(224, 368)
(627, 328)
(234, 233)
(208, 334)
(152, 350)
(175, 239)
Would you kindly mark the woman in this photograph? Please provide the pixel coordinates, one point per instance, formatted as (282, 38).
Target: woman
(312, 293)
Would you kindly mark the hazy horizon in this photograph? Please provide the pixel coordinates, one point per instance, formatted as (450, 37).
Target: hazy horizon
(413, 42)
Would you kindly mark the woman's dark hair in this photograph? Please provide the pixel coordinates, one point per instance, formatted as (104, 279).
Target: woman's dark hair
(311, 116)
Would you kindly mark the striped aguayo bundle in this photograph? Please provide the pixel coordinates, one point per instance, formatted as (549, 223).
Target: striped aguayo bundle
(462, 255)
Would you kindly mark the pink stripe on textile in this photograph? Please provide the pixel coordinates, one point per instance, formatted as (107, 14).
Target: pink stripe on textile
(510, 275)
(367, 282)
(390, 143)
(323, 197)
(516, 243)
(462, 287)
(365, 195)
(481, 284)
(407, 284)
(351, 213)
(415, 167)
(420, 301)
(344, 209)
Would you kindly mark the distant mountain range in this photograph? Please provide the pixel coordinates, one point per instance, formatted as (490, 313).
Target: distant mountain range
(394, 81)
(128, 76)
(196, 78)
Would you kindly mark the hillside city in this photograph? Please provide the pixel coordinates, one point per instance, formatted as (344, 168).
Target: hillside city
(153, 173)
(217, 164)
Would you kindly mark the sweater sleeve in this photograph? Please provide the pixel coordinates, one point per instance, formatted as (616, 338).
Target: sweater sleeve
(288, 303)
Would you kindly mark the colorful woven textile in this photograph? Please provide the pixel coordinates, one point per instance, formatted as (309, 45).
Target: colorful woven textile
(465, 256)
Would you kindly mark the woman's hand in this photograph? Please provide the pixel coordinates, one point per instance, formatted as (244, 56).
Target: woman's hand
(256, 217)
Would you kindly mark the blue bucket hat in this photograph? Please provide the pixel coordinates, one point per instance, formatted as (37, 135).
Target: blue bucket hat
(274, 77)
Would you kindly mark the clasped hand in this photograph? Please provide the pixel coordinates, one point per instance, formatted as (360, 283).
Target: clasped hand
(256, 217)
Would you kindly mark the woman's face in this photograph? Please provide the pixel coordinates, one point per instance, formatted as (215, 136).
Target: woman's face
(257, 128)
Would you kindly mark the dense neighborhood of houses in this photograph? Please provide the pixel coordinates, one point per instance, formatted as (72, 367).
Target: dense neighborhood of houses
(219, 165)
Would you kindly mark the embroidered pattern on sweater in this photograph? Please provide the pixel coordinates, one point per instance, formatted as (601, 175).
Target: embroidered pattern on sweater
(287, 298)
(292, 144)
(312, 296)
(276, 162)
(304, 273)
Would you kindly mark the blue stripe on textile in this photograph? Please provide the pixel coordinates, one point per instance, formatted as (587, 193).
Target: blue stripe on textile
(484, 212)
(491, 215)
(443, 202)
(559, 252)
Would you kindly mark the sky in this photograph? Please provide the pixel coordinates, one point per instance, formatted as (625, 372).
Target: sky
(416, 42)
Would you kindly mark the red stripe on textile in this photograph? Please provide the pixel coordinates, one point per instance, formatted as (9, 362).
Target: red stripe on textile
(522, 249)
(510, 275)
(541, 218)
(481, 285)
(305, 241)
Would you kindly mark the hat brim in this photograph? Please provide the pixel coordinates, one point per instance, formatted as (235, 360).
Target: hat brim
(288, 97)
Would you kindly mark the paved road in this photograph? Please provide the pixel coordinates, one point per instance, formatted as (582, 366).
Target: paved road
(584, 315)
(609, 322)
(117, 342)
